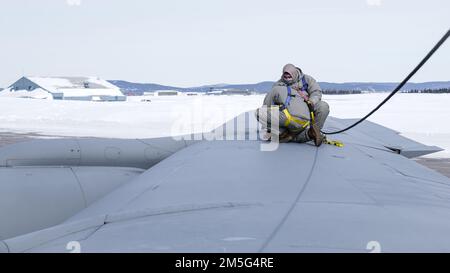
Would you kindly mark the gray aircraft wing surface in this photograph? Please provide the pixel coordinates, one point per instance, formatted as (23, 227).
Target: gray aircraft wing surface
(230, 196)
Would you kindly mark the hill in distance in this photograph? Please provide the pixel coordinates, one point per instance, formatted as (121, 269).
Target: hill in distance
(131, 88)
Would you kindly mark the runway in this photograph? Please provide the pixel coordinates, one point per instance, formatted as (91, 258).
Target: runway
(441, 165)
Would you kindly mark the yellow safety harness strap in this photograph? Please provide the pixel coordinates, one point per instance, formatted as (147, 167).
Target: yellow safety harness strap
(334, 142)
(290, 119)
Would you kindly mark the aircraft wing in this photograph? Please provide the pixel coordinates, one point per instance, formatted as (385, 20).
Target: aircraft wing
(229, 196)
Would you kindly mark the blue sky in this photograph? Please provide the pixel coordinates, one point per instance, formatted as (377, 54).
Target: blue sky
(188, 43)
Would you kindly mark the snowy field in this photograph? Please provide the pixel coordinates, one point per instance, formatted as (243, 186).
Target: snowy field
(422, 117)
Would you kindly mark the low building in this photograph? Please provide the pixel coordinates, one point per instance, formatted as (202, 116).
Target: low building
(191, 94)
(69, 88)
(214, 93)
(167, 93)
(228, 92)
(236, 92)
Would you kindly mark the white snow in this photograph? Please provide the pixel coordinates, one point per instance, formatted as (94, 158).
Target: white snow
(102, 82)
(74, 87)
(35, 94)
(422, 117)
(51, 84)
(82, 92)
(163, 116)
(54, 83)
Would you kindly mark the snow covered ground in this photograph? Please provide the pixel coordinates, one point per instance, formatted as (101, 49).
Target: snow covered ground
(35, 94)
(422, 117)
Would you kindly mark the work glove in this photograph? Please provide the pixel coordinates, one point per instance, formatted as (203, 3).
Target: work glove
(310, 104)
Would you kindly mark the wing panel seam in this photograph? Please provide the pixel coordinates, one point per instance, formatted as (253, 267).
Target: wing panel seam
(294, 204)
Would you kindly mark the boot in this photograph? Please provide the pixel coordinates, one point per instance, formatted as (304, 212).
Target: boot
(286, 137)
(315, 134)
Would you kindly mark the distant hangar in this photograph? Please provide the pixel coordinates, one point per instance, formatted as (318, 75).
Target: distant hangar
(66, 88)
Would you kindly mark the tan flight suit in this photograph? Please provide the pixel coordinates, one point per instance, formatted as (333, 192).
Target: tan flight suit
(297, 107)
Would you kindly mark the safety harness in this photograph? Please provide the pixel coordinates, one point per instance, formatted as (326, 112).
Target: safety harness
(290, 119)
(283, 108)
(305, 87)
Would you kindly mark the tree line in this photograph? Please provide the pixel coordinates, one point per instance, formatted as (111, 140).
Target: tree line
(340, 92)
(429, 91)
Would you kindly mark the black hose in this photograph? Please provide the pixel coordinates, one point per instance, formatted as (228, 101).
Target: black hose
(417, 68)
